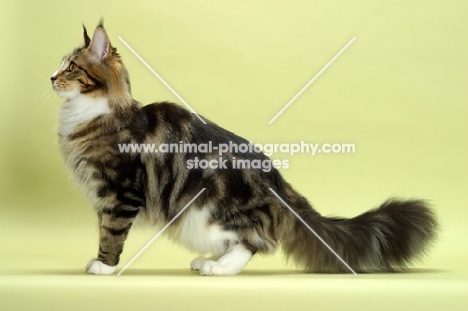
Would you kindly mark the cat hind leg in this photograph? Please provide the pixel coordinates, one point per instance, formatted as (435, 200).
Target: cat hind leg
(197, 263)
(230, 263)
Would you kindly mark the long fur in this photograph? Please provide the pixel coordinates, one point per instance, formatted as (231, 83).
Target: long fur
(236, 216)
(386, 238)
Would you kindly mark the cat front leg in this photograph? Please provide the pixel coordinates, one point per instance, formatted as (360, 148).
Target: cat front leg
(95, 266)
(114, 225)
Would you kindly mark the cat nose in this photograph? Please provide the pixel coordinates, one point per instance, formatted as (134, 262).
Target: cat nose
(53, 78)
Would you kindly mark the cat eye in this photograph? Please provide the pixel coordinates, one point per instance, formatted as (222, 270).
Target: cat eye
(72, 67)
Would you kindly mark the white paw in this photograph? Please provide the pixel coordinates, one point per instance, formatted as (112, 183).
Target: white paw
(211, 267)
(198, 263)
(95, 266)
(207, 267)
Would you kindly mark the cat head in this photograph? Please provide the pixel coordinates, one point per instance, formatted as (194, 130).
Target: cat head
(93, 70)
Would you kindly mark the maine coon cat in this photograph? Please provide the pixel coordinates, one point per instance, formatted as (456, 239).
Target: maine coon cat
(236, 216)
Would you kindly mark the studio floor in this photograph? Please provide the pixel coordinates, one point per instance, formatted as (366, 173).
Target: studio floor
(179, 289)
(44, 271)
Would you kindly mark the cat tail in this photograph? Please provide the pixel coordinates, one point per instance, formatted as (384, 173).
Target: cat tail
(391, 236)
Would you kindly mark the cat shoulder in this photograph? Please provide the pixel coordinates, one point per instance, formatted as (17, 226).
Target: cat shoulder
(166, 112)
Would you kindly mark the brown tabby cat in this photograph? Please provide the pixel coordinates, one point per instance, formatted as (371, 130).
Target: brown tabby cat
(236, 216)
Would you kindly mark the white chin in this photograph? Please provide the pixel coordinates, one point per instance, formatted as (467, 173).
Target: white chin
(68, 94)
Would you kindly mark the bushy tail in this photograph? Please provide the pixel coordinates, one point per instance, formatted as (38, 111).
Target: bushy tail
(388, 237)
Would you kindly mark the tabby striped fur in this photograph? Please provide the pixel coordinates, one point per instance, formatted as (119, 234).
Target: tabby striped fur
(237, 216)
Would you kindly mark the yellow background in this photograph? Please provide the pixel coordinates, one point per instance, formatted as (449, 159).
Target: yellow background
(399, 93)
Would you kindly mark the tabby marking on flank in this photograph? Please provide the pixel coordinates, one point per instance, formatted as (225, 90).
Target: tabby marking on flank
(237, 216)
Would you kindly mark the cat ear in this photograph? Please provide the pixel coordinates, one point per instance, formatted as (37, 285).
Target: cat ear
(86, 38)
(99, 46)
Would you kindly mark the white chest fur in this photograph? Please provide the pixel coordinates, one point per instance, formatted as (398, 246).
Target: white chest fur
(74, 112)
(79, 110)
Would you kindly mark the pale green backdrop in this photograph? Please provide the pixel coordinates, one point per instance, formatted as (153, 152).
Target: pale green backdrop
(399, 92)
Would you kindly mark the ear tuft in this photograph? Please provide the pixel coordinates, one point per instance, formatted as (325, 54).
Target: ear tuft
(99, 46)
(86, 38)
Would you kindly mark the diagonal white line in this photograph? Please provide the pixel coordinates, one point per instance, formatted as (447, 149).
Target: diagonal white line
(161, 79)
(313, 231)
(311, 81)
(160, 232)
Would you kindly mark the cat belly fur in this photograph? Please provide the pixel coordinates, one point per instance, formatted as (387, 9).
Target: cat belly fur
(197, 233)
